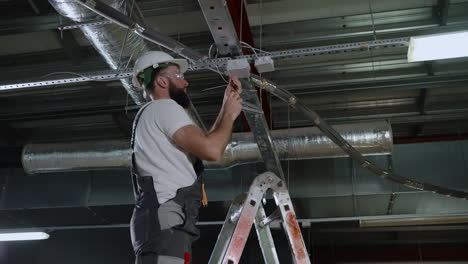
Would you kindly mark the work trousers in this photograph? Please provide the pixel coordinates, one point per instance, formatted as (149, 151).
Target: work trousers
(163, 233)
(170, 214)
(152, 258)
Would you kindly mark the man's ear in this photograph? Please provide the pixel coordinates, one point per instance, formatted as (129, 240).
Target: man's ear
(162, 82)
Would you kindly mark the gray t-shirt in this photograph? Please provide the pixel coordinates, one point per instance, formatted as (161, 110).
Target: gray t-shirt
(157, 155)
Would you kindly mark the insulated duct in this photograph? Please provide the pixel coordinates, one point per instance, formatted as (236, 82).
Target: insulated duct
(118, 46)
(374, 138)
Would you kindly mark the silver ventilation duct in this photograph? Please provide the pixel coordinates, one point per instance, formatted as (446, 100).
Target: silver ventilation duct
(374, 138)
(118, 46)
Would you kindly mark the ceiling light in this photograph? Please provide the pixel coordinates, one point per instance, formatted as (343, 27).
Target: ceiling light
(415, 220)
(23, 236)
(437, 47)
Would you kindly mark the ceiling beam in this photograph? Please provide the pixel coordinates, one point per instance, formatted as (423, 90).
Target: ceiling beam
(199, 64)
(421, 101)
(442, 9)
(70, 46)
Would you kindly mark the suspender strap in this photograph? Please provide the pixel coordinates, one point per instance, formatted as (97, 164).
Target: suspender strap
(133, 170)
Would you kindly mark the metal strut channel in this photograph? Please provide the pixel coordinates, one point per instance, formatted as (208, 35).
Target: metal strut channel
(82, 77)
(202, 64)
(219, 22)
(306, 52)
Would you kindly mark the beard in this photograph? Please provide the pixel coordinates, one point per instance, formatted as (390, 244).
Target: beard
(179, 96)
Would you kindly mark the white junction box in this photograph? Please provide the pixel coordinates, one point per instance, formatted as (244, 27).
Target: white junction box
(239, 67)
(264, 64)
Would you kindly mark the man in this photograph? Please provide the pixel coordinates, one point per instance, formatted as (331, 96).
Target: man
(167, 148)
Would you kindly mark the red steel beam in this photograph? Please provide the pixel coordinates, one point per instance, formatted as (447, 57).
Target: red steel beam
(244, 33)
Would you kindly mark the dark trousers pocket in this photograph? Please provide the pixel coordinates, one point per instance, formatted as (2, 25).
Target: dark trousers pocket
(144, 228)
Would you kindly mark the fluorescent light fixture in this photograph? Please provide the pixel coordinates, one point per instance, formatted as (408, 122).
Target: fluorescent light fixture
(413, 221)
(23, 236)
(439, 46)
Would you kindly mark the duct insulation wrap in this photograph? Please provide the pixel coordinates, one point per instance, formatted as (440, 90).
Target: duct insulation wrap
(76, 156)
(118, 46)
(373, 138)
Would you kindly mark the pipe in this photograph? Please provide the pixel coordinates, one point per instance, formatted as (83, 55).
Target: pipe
(116, 45)
(373, 138)
(415, 221)
(364, 221)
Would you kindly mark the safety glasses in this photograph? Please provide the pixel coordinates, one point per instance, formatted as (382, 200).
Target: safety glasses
(174, 74)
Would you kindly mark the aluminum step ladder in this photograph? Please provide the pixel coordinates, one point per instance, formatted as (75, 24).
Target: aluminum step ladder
(247, 209)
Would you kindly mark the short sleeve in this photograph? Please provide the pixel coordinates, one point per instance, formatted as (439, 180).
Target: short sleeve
(170, 117)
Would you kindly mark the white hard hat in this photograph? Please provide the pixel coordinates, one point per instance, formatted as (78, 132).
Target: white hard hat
(154, 59)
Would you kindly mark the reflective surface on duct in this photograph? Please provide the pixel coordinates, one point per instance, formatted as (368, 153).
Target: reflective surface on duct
(119, 47)
(82, 155)
(309, 143)
(373, 138)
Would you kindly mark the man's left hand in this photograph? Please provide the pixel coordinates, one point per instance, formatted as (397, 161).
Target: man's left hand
(234, 85)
